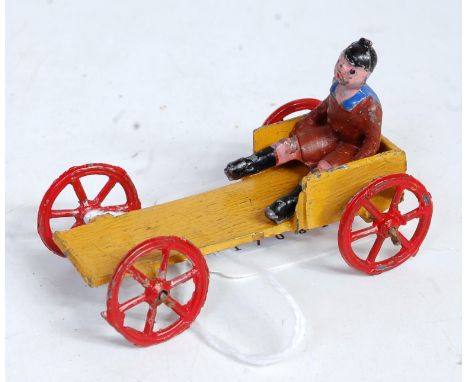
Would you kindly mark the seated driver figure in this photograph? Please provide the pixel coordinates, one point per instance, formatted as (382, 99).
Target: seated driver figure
(346, 126)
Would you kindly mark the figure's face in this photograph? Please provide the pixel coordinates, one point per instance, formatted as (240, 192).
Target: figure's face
(349, 75)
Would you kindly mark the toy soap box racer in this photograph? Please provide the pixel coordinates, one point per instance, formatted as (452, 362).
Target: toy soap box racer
(141, 243)
(345, 126)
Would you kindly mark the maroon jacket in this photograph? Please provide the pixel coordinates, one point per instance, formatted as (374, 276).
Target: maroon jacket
(340, 133)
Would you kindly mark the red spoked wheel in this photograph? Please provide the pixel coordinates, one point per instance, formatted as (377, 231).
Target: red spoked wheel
(387, 224)
(87, 209)
(159, 290)
(291, 107)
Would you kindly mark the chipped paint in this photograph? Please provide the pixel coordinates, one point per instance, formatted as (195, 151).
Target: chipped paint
(427, 199)
(340, 167)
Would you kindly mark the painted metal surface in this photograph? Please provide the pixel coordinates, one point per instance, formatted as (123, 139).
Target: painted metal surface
(224, 218)
(385, 224)
(230, 215)
(327, 193)
(87, 208)
(157, 290)
(214, 220)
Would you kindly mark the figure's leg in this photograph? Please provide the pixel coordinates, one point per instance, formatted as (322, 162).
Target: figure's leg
(283, 208)
(343, 153)
(251, 165)
(274, 155)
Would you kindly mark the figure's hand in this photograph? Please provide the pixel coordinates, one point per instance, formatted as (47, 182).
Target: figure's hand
(323, 165)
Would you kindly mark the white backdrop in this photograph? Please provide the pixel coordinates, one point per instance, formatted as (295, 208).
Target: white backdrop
(171, 92)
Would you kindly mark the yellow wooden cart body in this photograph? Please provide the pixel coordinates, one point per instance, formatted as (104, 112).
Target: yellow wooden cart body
(230, 215)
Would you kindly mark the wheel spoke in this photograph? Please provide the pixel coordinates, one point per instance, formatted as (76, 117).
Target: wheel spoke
(79, 190)
(132, 302)
(150, 318)
(164, 263)
(138, 276)
(403, 240)
(105, 190)
(374, 251)
(369, 206)
(397, 198)
(176, 306)
(359, 234)
(79, 221)
(63, 213)
(414, 214)
(183, 277)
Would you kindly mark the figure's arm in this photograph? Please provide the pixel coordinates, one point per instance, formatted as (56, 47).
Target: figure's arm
(319, 114)
(316, 116)
(372, 132)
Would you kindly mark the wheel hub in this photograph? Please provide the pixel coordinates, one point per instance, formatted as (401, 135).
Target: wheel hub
(157, 290)
(391, 224)
(162, 295)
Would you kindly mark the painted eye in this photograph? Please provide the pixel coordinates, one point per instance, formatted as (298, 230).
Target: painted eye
(352, 71)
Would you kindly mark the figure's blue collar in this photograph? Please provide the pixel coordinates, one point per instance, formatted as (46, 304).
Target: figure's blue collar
(364, 92)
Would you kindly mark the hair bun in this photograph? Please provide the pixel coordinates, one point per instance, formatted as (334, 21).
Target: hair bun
(365, 42)
(361, 53)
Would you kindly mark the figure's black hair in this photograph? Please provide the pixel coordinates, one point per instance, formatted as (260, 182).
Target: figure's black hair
(360, 53)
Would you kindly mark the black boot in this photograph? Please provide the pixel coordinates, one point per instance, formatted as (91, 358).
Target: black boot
(251, 165)
(283, 208)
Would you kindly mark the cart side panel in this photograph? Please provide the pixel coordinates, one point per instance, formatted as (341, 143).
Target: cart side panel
(266, 135)
(387, 145)
(326, 194)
